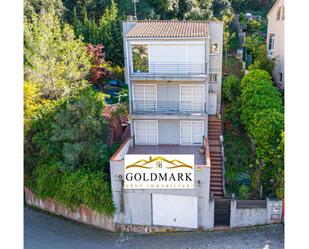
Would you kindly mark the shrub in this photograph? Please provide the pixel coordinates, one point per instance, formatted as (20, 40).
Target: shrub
(231, 88)
(66, 153)
(244, 192)
(258, 96)
(262, 115)
(254, 77)
(262, 62)
(46, 180)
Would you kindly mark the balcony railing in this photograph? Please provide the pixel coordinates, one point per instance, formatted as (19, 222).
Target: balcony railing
(168, 107)
(169, 69)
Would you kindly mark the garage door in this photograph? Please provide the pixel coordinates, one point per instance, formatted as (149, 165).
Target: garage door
(191, 132)
(174, 210)
(146, 131)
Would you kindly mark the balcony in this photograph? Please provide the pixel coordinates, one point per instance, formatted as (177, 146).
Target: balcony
(169, 70)
(168, 107)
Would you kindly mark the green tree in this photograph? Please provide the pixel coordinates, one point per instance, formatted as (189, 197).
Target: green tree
(253, 43)
(32, 7)
(54, 58)
(81, 131)
(262, 62)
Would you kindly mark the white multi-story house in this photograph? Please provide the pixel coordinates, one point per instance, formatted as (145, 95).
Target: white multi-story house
(173, 71)
(275, 40)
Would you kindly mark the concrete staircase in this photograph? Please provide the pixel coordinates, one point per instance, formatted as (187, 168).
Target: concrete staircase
(214, 132)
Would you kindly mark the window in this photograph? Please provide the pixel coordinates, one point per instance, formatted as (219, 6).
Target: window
(214, 48)
(278, 13)
(213, 78)
(140, 58)
(192, 98)
(144, 97)
(146, 131)
(191, 132)
(271, 42)
(280, 77)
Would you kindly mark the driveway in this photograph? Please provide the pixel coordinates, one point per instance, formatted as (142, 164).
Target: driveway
(44, 231)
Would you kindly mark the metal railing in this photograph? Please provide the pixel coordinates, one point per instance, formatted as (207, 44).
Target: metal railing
(168, 107)
(170, 68)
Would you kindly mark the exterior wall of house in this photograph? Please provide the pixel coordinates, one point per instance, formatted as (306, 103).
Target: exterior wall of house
(169, 130)
(215, 61)
(276, 27)
(175, 51)
(138, 203)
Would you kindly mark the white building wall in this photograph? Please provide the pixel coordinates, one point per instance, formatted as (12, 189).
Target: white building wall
(276, 27)
(215, 61)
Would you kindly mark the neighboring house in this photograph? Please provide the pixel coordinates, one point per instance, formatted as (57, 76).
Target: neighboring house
(275, 40)
(174, 72)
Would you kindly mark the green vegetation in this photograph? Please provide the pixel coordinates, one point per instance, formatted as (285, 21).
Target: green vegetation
(72, 47)
(54, 59)
(254, 137)
(66, 155)
(263, 118)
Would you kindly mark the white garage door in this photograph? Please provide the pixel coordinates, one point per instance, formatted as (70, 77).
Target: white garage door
(174, 210)
(191, 132)
(146, 131)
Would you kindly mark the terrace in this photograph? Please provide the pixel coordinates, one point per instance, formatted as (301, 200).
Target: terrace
(128, 148)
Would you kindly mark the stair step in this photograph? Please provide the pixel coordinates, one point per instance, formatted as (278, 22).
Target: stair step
(216, 184)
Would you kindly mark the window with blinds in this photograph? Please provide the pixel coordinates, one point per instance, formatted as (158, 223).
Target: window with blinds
(146, 132)
(191, 132)
(144, 97)
(192, 98)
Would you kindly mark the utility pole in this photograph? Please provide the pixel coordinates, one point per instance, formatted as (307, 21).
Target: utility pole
(134, 3)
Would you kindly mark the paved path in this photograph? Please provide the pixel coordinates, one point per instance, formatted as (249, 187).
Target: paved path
(44, 231)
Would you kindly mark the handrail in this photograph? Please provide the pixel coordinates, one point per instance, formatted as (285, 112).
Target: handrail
(222, 151)
(169, 68)
(168, 107)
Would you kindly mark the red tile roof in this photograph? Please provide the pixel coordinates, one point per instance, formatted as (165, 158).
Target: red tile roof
(168, 29)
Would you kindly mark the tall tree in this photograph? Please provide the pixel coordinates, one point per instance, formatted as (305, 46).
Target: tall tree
(32, 7)
(54, 58)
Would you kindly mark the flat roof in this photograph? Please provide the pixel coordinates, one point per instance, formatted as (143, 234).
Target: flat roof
(169, 29)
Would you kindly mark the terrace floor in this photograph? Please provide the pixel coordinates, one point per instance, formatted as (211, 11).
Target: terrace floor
(199, 159)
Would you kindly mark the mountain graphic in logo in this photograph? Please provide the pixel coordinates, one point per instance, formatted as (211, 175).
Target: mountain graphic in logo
(171, 164)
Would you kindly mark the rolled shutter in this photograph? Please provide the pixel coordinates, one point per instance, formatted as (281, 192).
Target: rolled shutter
(197, 132)
(185, 132)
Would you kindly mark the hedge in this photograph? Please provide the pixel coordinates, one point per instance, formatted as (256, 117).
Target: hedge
(262, 115)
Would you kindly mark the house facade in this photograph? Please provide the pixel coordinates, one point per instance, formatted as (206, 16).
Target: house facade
(173, 71)
(275, 40)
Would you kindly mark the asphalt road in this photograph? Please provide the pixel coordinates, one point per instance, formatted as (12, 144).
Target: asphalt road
(44, 231)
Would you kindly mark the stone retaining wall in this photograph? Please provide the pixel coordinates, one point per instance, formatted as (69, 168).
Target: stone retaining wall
(81, 214)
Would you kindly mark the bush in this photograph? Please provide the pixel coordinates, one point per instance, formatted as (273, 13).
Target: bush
(258, 96)
(244, 192)
(262, 62)
(66, 156)
(253, 77)
(262, 115)
(231, 88)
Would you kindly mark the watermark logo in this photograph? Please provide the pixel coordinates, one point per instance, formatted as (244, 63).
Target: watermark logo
(159, 172)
